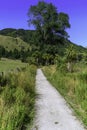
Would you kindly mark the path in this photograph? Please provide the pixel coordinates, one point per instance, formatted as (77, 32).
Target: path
(52, 111)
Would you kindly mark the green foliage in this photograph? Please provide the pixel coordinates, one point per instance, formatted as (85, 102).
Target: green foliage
(25, 35)
(48, 22)
(72, 86)
(71, 57)
(35, 51)
(84, 57)
(71, 53)
(59, 62)
(31, 60)
(17, 100)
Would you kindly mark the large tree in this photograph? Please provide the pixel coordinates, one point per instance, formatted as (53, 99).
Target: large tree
(49, 23)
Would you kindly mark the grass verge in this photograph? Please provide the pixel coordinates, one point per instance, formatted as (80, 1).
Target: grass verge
(17, 98)
(73, 86)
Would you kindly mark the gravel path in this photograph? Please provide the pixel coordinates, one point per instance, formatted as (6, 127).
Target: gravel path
(52, 111)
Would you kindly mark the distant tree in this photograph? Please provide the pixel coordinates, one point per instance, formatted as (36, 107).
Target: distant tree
(71, 57)
(2, 51)
(47, 58)
(37, 56)
(16, 54)
(84, 57)
(50, 24)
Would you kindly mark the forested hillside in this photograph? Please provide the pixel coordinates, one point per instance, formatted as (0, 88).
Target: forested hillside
(23, 44)
(25, 35)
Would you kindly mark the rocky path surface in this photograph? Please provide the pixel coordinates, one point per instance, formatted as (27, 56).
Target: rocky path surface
(52, 111)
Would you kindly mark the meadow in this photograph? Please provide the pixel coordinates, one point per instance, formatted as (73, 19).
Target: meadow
(7, 65)
(73, 87)
(17, 96)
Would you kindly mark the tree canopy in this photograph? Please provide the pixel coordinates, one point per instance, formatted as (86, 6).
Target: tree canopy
(49, 23)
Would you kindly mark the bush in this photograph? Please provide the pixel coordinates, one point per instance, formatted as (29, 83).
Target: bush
(61, 64)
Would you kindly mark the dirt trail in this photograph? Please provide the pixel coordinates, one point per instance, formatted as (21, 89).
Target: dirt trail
(52, 111)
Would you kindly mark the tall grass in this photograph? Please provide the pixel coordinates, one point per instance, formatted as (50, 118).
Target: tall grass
(73, 86)
(17, 98)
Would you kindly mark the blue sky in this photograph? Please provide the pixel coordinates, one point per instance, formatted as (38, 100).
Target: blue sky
(13, 14)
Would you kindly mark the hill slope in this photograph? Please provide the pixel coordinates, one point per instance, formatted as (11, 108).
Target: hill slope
(27, 41)
(29, 36)
(25, 35)
(10, 43)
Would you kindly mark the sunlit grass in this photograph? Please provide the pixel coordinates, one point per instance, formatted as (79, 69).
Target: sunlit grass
(10, 43)
(73, 86)
(8, 64)
(17, 99)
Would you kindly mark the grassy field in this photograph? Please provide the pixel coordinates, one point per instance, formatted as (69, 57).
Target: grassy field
(8, 64)
(10, 43)
(73, 86)
(17, 96)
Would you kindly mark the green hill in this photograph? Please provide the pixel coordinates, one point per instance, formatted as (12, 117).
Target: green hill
(10, 43)
(25, 35)
(29, 37)
(26, 45)
(79, 48)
